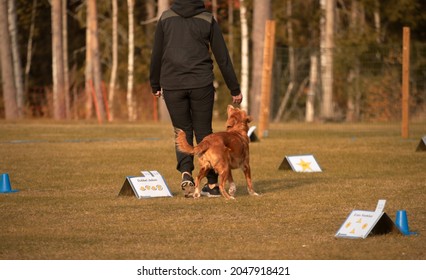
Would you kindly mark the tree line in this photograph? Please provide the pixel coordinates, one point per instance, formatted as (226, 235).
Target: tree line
(334, 59)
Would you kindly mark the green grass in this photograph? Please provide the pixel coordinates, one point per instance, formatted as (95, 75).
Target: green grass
(69, 175)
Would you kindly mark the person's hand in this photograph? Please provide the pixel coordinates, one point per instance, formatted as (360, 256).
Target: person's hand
(237, 99)
(157, 94)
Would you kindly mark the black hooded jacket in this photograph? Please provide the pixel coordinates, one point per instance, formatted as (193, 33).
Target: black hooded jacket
(181, 58)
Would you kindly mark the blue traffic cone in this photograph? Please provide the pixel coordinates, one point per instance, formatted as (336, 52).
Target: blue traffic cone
(5, 184)
(401, 222)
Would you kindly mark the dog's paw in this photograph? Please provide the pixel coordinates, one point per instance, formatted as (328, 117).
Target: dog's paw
(254, 194)
(196, 195)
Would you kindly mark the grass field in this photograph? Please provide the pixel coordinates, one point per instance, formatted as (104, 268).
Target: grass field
(69, 175)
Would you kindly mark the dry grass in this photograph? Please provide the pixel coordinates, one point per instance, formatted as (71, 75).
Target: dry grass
(69, 176)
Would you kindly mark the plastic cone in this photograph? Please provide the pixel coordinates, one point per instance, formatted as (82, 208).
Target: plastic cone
(402, 222)
(5, 184)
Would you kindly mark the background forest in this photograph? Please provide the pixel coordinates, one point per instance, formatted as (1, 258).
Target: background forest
(336, 60)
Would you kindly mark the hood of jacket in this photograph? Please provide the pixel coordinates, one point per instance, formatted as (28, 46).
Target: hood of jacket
(188, 8)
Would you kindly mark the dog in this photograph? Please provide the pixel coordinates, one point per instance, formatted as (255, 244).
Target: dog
(222, 152)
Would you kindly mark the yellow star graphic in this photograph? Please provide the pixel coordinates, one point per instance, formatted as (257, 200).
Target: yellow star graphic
(305, 165)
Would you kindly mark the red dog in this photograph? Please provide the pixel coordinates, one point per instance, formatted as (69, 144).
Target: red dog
(223, 151)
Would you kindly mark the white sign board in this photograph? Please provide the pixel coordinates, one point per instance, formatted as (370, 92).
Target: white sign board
(252, 135)
(360, 223)
(301, 163)
(150, 184)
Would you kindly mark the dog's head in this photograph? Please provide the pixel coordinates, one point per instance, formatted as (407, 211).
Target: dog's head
(238, 119)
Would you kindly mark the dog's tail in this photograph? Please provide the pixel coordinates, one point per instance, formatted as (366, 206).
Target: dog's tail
(182, 144)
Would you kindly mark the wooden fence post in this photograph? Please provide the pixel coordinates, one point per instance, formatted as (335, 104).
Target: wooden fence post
(268, 56)
(405, 81)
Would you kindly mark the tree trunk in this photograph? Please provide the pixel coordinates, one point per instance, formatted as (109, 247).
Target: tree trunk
(244, 55)
(313, 81)
(130, 69)
(231, 28)
(65, 59)
(149, 29)
(291, 64)
(30, 47)
(357, 26)
(150, 9)
(214, 8)
(327, 45)
(9, 89)
(112, 81)
(88, 73)
(291, 57)
(163, 112)
(261, 12)
(162, 6)
(377, 24)
(59, 111)
(352, 75)
(284, 102)
(96, 67)
(296, 98)
(17, 66)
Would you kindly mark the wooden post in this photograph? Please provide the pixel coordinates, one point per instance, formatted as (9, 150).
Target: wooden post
(265, 98)
(405, 81)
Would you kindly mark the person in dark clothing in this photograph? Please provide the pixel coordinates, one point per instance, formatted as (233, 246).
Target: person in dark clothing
(182, 72)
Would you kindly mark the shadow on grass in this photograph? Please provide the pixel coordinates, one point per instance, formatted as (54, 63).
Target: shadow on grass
(279, 185)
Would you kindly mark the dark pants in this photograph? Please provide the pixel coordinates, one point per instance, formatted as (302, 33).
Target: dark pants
(192, 111)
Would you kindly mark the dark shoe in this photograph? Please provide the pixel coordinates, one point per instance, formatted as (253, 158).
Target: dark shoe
(207, 191)
(187, 184)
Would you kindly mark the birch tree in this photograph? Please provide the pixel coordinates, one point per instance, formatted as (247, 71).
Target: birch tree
(214, 8)
(150, 10)
(327, 45)
(88, 73)
(30, 46)
(17, 66)
(9, 89)
(66, 92)
(354, 71)
(96, 67)
(59, 111)
(112, 81)
(231, 28)
(130, 108)
(291, 56)
(164, 113)
(244, 55)
(377, 25)
(162, 6)
(313, 81)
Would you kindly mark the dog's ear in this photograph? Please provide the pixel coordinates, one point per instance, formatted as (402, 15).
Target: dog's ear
(229, 110)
